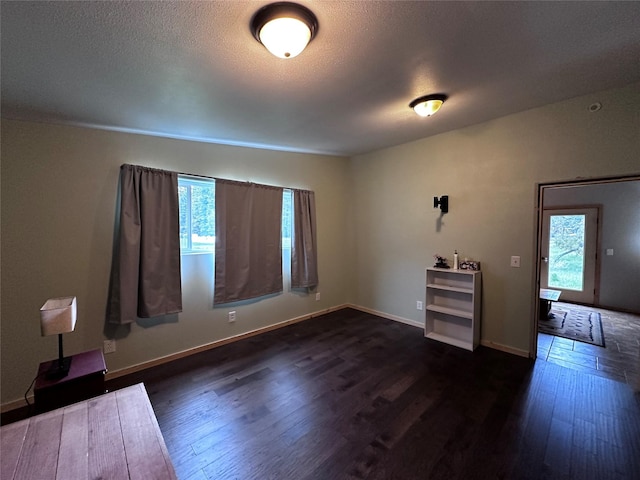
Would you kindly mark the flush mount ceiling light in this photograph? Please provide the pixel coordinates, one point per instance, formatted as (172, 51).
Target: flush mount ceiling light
(284, 28)
(428, 105)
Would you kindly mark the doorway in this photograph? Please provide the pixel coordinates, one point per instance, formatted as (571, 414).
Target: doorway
(569, 261)
(615, 236)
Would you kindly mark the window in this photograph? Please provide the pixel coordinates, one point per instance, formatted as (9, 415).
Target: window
(197, 198)
(287, 218)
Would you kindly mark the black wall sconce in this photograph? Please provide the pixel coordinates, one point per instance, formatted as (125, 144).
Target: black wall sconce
(442, 202)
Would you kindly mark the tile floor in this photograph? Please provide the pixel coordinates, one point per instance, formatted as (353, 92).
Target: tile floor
(618, 360)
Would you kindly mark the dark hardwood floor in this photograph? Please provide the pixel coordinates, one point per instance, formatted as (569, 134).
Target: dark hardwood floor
(349, 395)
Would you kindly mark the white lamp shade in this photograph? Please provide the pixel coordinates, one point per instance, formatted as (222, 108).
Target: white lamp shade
(285, 37)
(58, 315)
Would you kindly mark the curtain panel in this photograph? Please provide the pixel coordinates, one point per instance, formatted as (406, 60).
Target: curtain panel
(147, 280)
(248, 261)
(304, 256)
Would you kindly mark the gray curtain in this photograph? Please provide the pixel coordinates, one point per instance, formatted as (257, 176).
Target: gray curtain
(304, 256)
(147, 279)
(248, 262)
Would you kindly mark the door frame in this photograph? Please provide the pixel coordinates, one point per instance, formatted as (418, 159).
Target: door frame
(537, 254)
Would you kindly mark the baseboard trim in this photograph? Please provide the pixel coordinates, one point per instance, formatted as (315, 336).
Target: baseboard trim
(413, 323)
(218, 343)
(505, 348)
(6, 407)
(15, 404)
(388, 316)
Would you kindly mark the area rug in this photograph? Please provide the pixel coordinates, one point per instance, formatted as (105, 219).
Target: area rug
(581, 325)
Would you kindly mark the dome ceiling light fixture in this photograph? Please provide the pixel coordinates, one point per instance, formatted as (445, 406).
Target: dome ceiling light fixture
(284, 28)
(428, 105)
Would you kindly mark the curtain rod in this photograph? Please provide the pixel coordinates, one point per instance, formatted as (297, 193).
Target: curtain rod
(224, 179)
(240, 181)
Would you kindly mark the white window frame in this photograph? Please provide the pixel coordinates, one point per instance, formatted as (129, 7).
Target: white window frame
(184, 181)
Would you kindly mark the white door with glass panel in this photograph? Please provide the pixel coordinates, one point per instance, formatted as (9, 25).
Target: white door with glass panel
(569, 252)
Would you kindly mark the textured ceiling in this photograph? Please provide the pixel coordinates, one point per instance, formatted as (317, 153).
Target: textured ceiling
(193, 70)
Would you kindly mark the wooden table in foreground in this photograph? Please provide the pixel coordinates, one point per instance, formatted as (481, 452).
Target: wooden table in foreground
(113, 436)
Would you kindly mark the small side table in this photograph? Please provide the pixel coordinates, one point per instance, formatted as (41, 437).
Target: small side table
(547, 297)
(85, 380)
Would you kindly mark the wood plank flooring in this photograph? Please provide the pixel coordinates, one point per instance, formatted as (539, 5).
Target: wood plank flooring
(349, 395)
(618, 360)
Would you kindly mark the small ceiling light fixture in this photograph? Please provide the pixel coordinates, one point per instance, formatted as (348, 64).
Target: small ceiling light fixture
(284, 28)
(428, 105)
(594, 107)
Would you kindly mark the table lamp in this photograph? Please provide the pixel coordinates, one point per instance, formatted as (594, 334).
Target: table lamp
(58, 316)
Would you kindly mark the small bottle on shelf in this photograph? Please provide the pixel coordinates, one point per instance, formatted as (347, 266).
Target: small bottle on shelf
(455, 260)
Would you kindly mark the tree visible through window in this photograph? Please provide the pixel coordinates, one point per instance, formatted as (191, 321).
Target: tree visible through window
(566, 251)
(197, 215)
(287, 218)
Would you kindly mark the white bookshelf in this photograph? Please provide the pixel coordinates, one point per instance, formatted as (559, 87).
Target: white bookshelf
(453, 307)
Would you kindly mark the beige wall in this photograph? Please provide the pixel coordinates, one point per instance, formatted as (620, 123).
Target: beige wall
(377, 227)
(59, 187)
(490, 173)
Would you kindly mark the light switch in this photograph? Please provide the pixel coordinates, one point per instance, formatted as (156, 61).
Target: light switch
(515, 261)
(609, 251)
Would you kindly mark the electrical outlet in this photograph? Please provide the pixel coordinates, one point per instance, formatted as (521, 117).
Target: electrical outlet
(109, 346)
(232, 316)
(419, 305)
(515, 261)
(317, 296)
